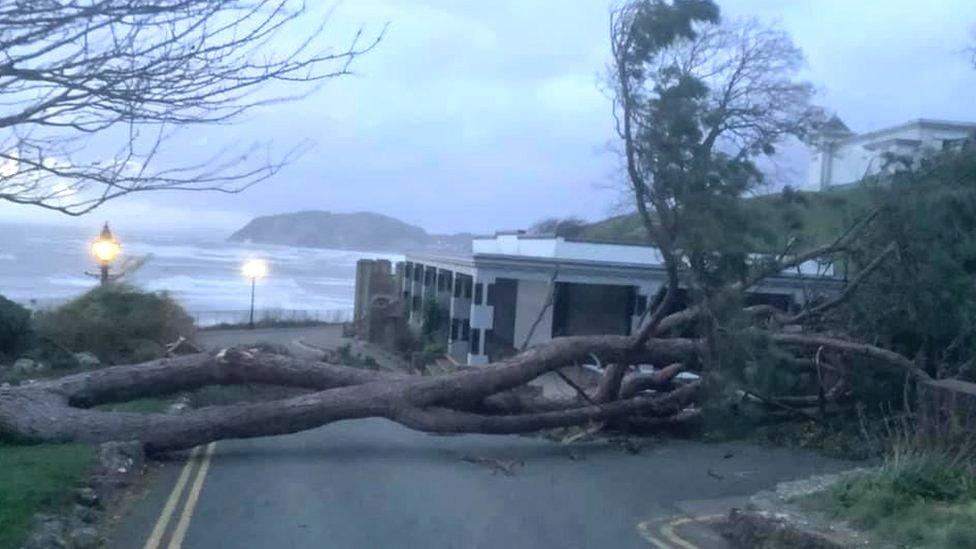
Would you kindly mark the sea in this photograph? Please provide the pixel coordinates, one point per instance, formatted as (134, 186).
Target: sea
(44, 266)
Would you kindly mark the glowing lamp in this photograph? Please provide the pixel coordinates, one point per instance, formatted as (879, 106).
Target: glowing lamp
(255, 269)
(106, 248)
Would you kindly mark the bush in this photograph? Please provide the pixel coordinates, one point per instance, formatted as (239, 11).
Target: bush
(16, 329)
(118, 323)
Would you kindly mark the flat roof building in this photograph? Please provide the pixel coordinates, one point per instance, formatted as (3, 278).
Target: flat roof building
(515, 291)
(842, 157)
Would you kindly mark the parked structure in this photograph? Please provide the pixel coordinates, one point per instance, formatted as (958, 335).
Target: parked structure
(515, 290)
(841, 157)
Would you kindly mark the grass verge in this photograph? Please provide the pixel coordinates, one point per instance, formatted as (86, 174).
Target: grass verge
(34, 479)
(921, 500)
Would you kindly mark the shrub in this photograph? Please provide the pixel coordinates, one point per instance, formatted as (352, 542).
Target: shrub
(118, 323)
(16, 329)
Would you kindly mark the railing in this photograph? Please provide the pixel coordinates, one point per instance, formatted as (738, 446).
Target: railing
(271, 316)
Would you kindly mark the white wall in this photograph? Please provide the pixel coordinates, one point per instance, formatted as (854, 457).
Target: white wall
(854, 157)
(559, 248)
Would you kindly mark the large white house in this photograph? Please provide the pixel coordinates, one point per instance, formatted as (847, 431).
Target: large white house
(841, 157)
(497, 299)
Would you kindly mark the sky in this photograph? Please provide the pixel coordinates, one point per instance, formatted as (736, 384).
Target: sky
(485, 115)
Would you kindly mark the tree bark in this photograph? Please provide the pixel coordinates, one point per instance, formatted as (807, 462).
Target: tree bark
(476, 400)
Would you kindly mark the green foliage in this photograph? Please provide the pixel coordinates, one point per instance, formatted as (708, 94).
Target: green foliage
(922, 302)
(346, 357)
(568, 227)
(117, 323)
(34, 479)
(926, 501)
(432, 317)
(16, 329)
(434, 349)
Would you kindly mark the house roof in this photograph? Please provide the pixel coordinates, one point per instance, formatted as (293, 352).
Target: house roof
(835, 125)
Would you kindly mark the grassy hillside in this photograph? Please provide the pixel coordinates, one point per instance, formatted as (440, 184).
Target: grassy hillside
(812, 217)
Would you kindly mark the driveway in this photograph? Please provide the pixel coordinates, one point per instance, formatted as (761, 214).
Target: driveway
(370, 483)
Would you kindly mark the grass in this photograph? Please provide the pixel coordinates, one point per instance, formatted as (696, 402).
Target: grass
(814, 217)
(920, 497)
(33, 479)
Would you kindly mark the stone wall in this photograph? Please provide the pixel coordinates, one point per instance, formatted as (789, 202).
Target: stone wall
(378, 309)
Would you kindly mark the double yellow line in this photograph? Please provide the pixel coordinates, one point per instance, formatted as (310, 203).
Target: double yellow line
(183, 523)
(665, 537)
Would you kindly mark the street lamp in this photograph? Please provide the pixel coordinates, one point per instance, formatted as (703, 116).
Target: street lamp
(105, 250)
(254, 269)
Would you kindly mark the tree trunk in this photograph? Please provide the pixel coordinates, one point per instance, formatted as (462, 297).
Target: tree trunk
(478, 400)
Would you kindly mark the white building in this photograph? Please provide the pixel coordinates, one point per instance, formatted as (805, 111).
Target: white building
(841, 157)
(492, 298)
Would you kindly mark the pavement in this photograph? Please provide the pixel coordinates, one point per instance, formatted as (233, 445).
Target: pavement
(372, 483)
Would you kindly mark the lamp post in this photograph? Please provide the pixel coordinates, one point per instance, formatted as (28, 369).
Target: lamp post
(254, 269)
(105, 250)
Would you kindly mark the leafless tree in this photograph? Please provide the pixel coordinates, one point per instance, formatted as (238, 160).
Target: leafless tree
(94, 89)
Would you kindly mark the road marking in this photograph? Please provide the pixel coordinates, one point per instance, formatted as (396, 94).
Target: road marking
(666, 531)
(174, 497)
(176, 542)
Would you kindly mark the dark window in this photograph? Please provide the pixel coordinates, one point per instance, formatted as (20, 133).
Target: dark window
(467, 287)
(457, 287)
(408, 270)
(416, 303)
(479, 290)
(476, 342)
(641, 305)
(465, 330)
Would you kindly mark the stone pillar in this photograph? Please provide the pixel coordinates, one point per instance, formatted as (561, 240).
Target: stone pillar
(946, 409)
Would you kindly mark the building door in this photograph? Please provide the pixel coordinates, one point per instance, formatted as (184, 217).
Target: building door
(592, 309)
(500, 340)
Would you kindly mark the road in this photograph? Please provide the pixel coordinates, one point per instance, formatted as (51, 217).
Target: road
(371, 483)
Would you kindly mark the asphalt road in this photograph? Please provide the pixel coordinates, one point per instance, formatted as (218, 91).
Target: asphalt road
(371, 483)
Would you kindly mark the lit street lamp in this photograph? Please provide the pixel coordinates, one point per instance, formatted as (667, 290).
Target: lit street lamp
(105, 250)
(254, 269)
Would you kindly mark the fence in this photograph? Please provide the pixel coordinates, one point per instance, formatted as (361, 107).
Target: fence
(271, 316)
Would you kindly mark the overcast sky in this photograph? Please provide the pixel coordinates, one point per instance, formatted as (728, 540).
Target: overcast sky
(480, 115)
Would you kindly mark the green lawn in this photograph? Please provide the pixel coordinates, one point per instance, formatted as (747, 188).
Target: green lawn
(921, 502)
(34, 478)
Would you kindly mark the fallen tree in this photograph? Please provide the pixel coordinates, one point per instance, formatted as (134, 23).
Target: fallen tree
(477, 400)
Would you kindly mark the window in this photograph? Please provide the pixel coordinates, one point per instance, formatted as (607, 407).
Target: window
(465, 329)
(416, 303)
(475, 342)
(408, 270)
(467, 287)
(479, 290)
(457, 286)
(455, 328)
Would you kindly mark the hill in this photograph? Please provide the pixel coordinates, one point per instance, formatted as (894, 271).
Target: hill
(812, 217)
(364, 231)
